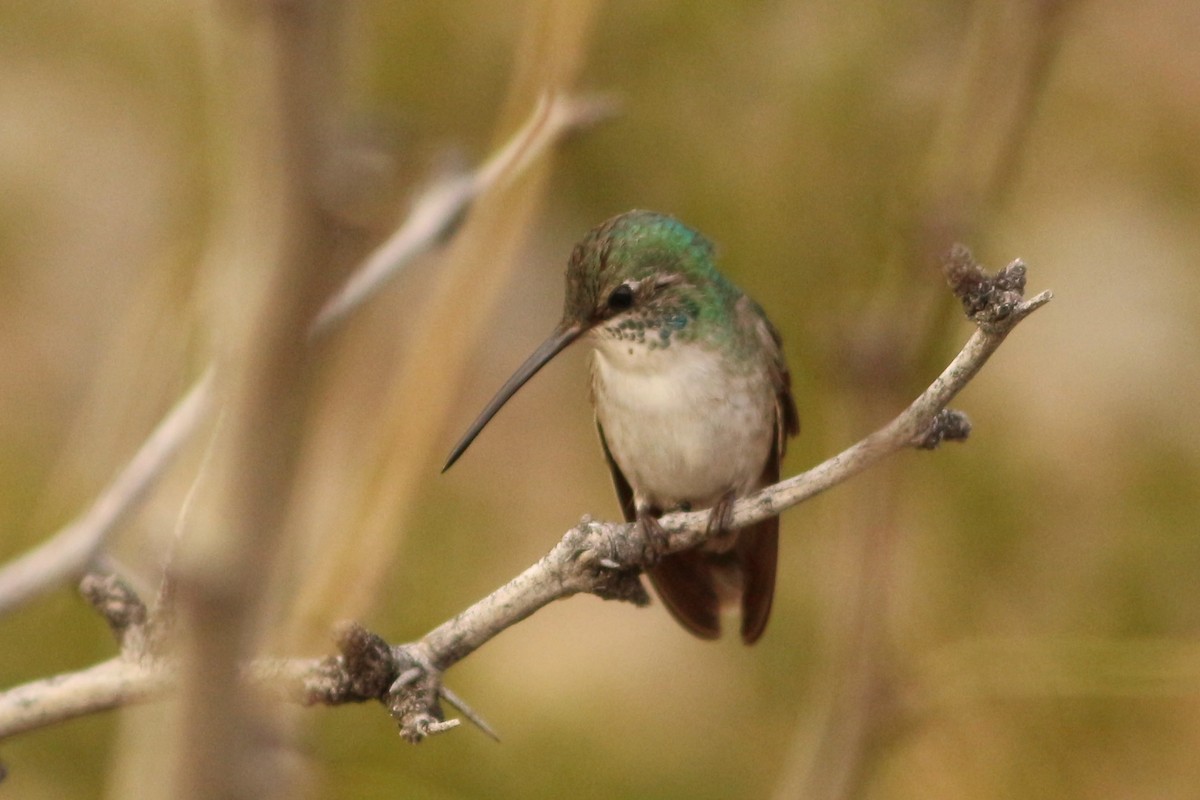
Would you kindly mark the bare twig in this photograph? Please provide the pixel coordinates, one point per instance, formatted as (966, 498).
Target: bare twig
(68, 553)
(440, 209)
(105, 686)
(601, 558)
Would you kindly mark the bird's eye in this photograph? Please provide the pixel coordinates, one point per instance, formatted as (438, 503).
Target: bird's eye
(621, 298)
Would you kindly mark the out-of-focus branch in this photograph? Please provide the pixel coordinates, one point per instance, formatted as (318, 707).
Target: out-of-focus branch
(437, 212)
(275, 92)
(67, 554)
(600, 558)
(434, 217)
(131, 677)
(110, 684)
(279, 242)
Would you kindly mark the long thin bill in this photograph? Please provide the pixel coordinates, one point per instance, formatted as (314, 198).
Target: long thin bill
(563, 335)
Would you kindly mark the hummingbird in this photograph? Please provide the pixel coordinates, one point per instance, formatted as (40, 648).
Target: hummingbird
(692, 401)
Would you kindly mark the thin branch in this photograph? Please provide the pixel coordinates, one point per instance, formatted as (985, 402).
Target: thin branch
(439, 210)
(105, 686)
(68, 552)
(601, 558)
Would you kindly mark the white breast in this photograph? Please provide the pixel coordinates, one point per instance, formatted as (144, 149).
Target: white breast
(681, 428)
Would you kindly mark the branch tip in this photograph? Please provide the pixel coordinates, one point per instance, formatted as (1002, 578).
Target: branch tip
(586, 111)
(425, 726)
(990, 301)
(1037, 301)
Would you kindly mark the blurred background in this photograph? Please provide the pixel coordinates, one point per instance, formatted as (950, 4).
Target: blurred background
(1015, 617)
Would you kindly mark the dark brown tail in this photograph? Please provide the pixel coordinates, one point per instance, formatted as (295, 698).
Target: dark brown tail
(689, 583)
(757, 550)
(687, 586)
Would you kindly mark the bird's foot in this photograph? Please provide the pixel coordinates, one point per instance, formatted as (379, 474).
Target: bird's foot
(656, 543)
(720, 522)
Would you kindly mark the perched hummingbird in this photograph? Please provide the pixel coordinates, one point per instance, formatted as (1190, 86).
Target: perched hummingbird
(693, 403)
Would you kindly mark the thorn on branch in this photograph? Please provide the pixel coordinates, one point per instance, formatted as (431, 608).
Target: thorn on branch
(988, 300)
(468, 712)
(948, 426)
(407, 678)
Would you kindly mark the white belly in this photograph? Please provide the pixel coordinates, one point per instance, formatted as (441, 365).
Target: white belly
(680, 428)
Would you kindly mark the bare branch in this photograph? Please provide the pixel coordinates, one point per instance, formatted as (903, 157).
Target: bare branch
(439, 210)
(367, 669)
(69, 552)
(105, 686)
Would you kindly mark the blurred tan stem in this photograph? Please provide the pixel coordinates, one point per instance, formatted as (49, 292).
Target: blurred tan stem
(270, 262)
(350, 568)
